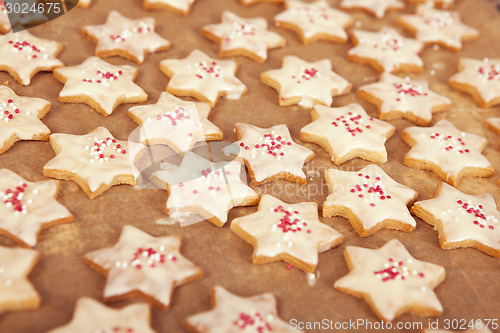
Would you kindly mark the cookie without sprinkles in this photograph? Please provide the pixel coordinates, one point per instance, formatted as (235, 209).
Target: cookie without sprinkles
(28, 207)
(203, 78)
(398, 97)
(451, 154)
(480, 79)
(100, 85)
(386, 51)
(140, 265)
(348, 132)
(198, 186)
(314, 21)
(92, 316)
(369, 199)
(288, 232)
(16, 292)
(232, 313)
(124, 37)
(270, 154)
(462, 220)
(174, 122)
(23, 55)
(306, 83)
(95, 161)
(435, 26)
(20, 118)
(378, 8)
(391, 281)
(248, 37)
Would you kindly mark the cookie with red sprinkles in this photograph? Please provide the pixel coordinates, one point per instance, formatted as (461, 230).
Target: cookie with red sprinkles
(125, 37)
(462, 220)
(233, 313)
(28, 207)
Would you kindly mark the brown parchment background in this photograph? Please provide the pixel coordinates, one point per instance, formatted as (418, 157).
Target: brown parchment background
(471, 289)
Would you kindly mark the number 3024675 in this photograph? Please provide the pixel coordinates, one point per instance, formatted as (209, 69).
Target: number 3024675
(460, 324)
(25, 8)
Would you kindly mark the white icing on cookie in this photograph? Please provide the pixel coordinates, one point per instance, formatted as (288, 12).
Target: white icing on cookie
(16, 292)
(315, 20)
(23, 55)
(372, 196)
(249, 34)
(4, 18)
(348, 132)
(375, 7)
(460, 217)
(209, 78)
(279, 228)
(20, 118)
(270, 153)
(93, 317)
(152, 266)
(97, 158)
(180, 5)
(120, 34)
(451, 150)
(388, 48)
(413, 98)
(483, 75)
(308, 82)
(438, 26)
(494, 124)
(199, 186)
(27, 207)
(391, 280)
(177, 123)
(232, 313)
(105, 85)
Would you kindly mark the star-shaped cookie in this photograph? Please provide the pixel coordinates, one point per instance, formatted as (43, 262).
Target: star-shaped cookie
(178, 6)
(436, 26)
(407, 98)
(125, 37)
(391, 281)
(20, 118)
(314, 21)
(27, 207)
(174, 122)
(92, 316)
(348, 132)
(448, 152)
(23, 55)
(306, 83)
(248, 37)
(199, 186)
(95, 161)
(203, 78)
(100, 85)
(480, 79)
(270, 154)
(232, 313)
(386, 51)
(144, 266)
(462, 220)
(369, 199)
(16, 292)
(378, 8)
(288, 232)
